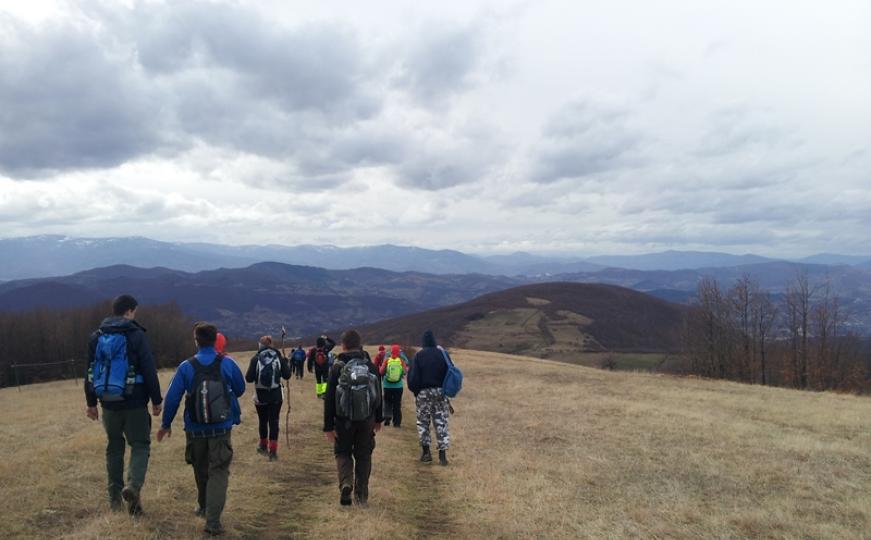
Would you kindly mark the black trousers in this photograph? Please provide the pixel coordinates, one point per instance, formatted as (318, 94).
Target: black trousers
(393, 405)
(355, 442)
(298, 369)
(322, 373)
(269, 414)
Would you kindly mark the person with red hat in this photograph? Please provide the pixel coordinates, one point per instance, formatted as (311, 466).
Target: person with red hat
(392, 371)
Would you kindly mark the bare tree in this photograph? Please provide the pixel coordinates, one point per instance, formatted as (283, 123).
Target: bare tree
(763, 313)
(799, 297)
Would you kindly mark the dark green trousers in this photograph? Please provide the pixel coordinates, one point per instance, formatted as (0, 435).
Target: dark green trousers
(210, 458)
(127, 427)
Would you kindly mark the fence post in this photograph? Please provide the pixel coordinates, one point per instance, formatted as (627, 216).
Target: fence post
(17, 381)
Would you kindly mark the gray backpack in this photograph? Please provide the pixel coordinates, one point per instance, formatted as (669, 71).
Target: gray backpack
(358, 393)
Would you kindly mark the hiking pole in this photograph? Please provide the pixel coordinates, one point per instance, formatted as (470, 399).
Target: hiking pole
(287, 413)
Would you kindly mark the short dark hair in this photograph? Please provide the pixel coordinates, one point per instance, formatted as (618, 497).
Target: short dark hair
(351, 340)
(205, 334)
(122, 304)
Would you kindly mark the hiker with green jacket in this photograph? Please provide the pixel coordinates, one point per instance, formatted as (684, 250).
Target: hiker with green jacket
(352, 415)
(124, 394)
(393, 370)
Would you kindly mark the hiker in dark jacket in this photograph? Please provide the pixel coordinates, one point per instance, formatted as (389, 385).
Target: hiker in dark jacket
(297, 361)
(319, 360)
(354, 440)
(266, 370)
(125, 420)
(425, 380)
(208, 447)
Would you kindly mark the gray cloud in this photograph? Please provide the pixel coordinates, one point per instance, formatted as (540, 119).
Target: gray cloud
(582, 139)
(68, 101)
(441, 63)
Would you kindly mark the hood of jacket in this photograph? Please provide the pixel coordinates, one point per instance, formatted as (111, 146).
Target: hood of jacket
(116, 325)
(428, 339)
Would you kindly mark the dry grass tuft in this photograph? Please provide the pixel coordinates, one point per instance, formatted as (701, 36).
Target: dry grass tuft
(541, 450)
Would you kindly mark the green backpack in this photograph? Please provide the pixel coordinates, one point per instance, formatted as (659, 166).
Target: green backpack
(394, 370)
(358, 393)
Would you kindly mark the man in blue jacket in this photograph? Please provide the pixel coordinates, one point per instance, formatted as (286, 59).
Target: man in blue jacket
(207, 422)
(126, 420)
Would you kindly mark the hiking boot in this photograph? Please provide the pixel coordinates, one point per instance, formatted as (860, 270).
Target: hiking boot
(131, 499)
(214, 530)
(443, 458)
(361, 501)
(200, 512)
(345, 498)
(261, 449)
(273, 455)
(426, 456)
(116, 505)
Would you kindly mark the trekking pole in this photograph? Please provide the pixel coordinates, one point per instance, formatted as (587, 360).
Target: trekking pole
(287, 413)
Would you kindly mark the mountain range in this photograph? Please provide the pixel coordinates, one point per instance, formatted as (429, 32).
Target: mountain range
(45, 256)
(261, 297)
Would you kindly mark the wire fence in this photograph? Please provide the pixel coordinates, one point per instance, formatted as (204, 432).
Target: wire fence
(71, 366)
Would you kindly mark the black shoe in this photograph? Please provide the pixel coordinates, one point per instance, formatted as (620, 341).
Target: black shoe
(273, 456)
(387, 422)
(426, 456)
(396, 425)
(131, 499)
(443, 458)
(116, 504)
(345, 498)
(214, 530)
(200, 512)
(262, 450)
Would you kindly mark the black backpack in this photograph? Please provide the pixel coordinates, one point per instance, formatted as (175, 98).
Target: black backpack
(209, 399)
(268, 369)
(358, 393)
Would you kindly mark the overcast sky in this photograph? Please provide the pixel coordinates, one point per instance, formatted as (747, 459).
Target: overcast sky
(574, 127)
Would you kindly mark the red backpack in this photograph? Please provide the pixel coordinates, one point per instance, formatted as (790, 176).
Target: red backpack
(321, 357)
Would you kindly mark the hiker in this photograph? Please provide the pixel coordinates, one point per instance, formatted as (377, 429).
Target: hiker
(123, 378)
(211, 384)
(379, 358)
(297, 357)
(392, 371)
(319, 360)
(352, 415)
(220, 343)
(425, 379)
(266, 370)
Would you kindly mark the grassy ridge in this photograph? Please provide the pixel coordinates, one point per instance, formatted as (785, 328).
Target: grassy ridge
(541, 449)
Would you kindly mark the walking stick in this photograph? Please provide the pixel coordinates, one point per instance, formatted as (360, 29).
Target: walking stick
(287, 413)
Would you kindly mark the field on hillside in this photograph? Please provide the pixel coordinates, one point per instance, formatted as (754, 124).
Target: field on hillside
(541, 449)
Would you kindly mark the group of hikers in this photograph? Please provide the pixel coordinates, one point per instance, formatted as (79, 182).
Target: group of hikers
(359, 394)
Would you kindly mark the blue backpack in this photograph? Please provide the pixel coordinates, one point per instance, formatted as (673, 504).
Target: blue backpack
(111, 374)
(453, 382)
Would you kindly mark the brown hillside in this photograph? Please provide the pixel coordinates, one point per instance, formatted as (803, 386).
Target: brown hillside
(546, 320)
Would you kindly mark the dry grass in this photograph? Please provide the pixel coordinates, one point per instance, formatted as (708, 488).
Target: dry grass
(541, 450)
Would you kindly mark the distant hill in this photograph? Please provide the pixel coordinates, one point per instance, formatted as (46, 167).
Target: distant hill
(53, 255)
(546, 320)
(677, 260)
(262, 297)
